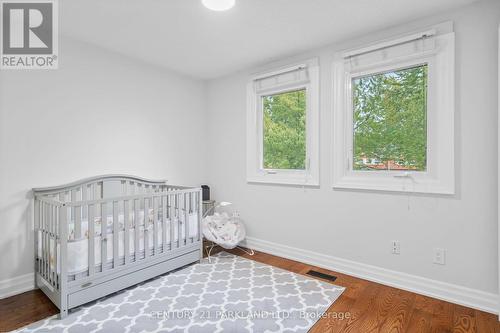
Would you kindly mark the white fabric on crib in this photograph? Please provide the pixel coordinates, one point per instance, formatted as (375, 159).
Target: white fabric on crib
(97, 226)
(109, 223)
(77, 257)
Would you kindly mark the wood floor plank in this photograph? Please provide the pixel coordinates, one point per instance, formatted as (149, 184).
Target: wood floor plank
(487, 322)
(398, 318)
(420, 322)
(464, 320)
(24, 309)
(337, 316)
(372, 307)
(362, 317)
(442, 317)
(385, 304)
(421, 315)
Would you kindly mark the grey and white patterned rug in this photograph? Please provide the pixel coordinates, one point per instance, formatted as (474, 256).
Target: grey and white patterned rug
(231, 294)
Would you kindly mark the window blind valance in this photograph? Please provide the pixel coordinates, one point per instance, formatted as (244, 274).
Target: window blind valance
(416, 45)
(281, 80)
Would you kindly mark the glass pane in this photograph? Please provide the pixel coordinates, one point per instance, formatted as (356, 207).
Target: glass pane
(390, 110)
(284, 130)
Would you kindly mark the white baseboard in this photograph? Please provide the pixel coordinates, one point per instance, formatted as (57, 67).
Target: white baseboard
(469, 297)
(17, 285)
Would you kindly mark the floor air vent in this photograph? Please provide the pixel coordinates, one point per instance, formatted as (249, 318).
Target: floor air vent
(322, 275)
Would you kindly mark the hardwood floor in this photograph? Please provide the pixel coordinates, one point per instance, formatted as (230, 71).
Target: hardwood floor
(371, 307)
(23, 309)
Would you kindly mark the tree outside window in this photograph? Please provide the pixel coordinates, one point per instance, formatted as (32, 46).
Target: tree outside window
(284, 130)
(390, 124)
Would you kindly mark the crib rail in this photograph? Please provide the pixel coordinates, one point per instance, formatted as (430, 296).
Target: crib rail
(97, 181)
(137, 227)
(47, 238)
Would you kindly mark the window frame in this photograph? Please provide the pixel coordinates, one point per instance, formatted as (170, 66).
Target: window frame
(439, 175)
(256, 173)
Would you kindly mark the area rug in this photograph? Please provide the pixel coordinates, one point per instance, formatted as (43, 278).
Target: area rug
(231, 294)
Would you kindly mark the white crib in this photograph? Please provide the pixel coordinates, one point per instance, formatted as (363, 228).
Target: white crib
(99, 235)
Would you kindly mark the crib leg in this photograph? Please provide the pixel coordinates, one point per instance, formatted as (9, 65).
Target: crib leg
(63, 309)
(63, 313)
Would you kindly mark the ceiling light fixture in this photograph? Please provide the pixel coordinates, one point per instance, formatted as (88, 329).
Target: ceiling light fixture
(218, 5)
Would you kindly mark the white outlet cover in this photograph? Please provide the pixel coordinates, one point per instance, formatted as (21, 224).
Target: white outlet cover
(396, 247)
(439, 256)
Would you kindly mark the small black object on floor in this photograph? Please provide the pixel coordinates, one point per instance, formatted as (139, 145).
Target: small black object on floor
(322, 275)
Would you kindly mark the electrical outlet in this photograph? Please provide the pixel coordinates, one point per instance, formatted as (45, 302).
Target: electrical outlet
(439, 256)
(396, 247)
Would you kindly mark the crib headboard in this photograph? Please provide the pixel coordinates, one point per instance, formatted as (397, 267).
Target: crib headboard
(100, 187)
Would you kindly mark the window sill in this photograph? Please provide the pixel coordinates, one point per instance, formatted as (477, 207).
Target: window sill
(277, 179)
(393, 184)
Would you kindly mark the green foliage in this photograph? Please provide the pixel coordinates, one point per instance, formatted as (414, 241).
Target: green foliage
(390, 118)
(285, 130)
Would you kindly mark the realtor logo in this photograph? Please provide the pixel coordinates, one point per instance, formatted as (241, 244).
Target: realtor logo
(29, 34)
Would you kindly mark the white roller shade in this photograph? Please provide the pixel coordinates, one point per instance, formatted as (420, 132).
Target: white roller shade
(407, 47)
(289, 77)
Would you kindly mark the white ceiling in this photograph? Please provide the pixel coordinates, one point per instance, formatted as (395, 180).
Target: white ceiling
(185, 36)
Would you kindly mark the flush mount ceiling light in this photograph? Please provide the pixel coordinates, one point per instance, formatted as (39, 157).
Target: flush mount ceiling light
(218, 5)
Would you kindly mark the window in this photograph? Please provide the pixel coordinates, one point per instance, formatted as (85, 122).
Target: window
(282, 126)
(390, 124)
(285, 130)
(394, 115)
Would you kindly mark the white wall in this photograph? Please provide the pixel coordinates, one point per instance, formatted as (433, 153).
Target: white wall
(359, 225)
(98, 113)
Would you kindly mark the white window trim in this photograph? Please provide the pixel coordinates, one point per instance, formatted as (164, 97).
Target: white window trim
(439, 177)
(255, 171)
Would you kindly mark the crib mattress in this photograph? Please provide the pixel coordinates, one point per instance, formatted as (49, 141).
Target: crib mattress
(77, 257)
